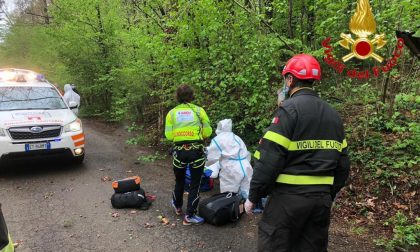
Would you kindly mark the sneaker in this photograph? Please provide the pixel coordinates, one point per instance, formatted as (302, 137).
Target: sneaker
(192, 220)
(178, 210)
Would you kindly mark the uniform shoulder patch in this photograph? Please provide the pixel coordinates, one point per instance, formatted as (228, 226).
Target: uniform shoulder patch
(275, 120)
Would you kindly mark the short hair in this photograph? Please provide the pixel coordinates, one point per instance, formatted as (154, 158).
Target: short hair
(300, 82)
(184, 94)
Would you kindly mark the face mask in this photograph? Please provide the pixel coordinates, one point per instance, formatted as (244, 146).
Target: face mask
(282, 94)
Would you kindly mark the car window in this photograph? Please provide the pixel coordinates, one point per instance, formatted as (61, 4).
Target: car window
(30, 98)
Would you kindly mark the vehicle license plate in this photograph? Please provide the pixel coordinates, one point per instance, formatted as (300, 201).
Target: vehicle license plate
(37, 146)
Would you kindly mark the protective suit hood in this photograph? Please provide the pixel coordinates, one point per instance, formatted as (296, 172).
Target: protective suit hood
(67, 88)
(71, 96)
(224, 126)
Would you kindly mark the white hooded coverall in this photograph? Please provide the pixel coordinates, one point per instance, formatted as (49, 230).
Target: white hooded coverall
(70, 95)
(229, 159)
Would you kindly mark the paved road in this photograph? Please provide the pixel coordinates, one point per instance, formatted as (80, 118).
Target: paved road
(56, 207)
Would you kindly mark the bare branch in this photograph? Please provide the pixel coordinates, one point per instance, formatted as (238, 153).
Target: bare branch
(38, 15)
(267, 25)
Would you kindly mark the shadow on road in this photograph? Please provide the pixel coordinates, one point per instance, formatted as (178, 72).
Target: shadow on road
(36, 168)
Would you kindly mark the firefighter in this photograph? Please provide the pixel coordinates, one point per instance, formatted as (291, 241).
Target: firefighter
(187, 125)
(6, 244)
(301, 163)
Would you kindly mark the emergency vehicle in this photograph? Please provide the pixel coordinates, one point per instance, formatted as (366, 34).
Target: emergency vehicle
(35, 121)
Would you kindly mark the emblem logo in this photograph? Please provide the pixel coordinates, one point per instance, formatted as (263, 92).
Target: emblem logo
(362, 24)
(36, 129)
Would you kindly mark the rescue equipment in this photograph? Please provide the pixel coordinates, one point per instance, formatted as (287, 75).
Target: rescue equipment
(134, 199)
(127, 184)
(222, 208)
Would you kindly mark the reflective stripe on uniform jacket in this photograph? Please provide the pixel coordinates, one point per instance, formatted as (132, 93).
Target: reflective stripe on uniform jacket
(184, 123)
(304, 149)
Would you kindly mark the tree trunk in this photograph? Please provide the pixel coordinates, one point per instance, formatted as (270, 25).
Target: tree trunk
(269, 11)
(311, 26)
(290, 26)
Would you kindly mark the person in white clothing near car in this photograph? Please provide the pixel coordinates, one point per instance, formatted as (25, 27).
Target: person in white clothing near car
(71, 96)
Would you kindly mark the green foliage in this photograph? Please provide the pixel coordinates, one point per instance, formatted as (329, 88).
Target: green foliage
(405, 234)
(128, 57)
(151, 158)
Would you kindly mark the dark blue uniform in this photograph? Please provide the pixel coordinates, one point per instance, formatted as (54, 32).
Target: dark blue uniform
(301, 163)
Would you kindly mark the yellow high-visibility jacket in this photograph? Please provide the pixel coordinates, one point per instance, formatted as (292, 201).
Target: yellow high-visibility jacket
(9, 247)
(187, 122)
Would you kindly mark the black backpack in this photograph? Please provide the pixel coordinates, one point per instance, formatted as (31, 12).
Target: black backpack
(221, 208)
(4, 235)
(134, 199)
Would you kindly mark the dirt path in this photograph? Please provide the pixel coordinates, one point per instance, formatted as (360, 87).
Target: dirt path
(51, 207)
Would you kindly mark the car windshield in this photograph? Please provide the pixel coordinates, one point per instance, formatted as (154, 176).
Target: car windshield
(30, 98)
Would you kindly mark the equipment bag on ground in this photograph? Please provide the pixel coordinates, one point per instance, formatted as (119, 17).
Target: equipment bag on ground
(127, 185)
(221, 208)
(134, 199)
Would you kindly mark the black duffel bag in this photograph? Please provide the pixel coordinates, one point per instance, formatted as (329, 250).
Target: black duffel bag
(134, 199)
(4, 235)
(221, 208)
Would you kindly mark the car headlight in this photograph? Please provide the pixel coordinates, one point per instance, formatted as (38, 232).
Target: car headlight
(2, 132)
(73, 126)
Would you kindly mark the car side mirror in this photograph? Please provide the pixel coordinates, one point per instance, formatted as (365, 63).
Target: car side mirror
(73, 105)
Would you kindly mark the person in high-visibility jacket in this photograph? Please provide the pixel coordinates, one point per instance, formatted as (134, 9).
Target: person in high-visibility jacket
(301, 163)
(187, 125)
(6, 244)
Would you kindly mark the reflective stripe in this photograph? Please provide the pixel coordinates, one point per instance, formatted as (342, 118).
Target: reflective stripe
(77, 137)
(305, 179)
(277, 138)
(315, 145)
(304, 144)
(257, 155)
(344, 144)
(79, 143)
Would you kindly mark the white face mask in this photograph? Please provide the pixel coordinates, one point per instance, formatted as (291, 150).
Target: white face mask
(282, 94)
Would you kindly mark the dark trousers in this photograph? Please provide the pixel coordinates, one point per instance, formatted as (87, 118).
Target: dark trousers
(195, 160)
(295, 223)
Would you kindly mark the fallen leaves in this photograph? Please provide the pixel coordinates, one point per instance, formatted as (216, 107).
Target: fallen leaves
(400, 206)
(148, 225)
(115, 215)
(163, 219)
(17, 243)
(48, 195)
(370, 203)
(67, 223)
(106, 178)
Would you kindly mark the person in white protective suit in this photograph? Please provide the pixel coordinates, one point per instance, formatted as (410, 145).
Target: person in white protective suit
(228, 158)
(71, 96)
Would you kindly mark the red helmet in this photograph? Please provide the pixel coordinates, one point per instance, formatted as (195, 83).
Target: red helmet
(304, 67)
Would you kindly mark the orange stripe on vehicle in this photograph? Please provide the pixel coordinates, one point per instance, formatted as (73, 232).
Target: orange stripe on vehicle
(77, 137)
(79, 143)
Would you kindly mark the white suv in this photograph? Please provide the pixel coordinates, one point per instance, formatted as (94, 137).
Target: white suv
(34, 119)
